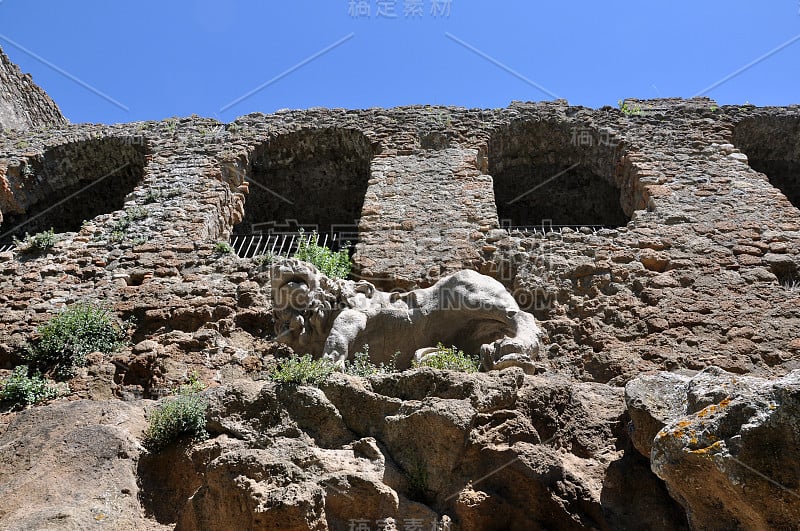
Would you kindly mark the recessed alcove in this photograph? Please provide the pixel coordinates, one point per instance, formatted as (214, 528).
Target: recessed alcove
(772, 146)
(555, 173)
(314, 179)
(70, 184)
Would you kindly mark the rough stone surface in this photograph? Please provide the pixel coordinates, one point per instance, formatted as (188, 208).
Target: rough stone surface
(303, 458)
(695, 265)
(72, 465)
(23, 104)
(725, 444)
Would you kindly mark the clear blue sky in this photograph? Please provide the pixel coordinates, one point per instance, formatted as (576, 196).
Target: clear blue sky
(164, 58)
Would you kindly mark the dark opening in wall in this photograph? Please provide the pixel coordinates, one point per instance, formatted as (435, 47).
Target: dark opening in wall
(547, 172)
(772, 146)
(70, 184)
(312, 179)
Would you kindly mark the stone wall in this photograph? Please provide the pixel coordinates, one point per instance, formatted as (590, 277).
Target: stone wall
(23, 104)
(704, 272)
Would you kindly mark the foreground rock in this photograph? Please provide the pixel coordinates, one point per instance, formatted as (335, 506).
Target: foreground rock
(726, 445)
(486, 451)
(72, 465)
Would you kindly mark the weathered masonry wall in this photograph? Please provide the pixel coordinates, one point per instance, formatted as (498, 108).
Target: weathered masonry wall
(69, 184)
(23, 104)
(664, 244)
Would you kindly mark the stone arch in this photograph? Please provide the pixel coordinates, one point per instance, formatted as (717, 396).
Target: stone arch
(556, 172)
(772, 146)
(314, 178)
(69, 184)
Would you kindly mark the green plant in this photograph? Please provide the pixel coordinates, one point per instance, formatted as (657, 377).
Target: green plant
(263, 261)
(136, 213)
(152, 196)
(39, 243)
(360, 365)
(122, 224)
(627, 110)
(171, 125)
(303, 370)
(21, 390)
(332, 264)
(223, 248)
(183, 415)
(117, 236)
(450, 359)
(66, 339)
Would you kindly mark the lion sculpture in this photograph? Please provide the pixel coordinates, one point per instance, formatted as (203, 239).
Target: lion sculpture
(334, 318)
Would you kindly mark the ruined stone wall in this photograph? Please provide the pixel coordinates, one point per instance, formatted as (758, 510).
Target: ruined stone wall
(704, 272)
(23, 104)
(678, 254)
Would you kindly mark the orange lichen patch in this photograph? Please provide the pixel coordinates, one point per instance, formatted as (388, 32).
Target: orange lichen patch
(684, 423)
(713, 408)
(714, 448)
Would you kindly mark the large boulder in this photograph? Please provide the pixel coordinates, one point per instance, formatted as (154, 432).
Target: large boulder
(497, 450)
(72, 465)
(726, 445)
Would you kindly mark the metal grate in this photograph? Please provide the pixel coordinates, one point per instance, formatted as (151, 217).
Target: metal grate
(546, 229)
(251, 245)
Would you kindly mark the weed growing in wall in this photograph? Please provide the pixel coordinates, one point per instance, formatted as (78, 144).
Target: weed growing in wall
(361, 365)
(450, 359)
(303, 370)
(334, 264)
(39, 243)
(179, 416)
(65, 340)
(223, 248)
(20, 389)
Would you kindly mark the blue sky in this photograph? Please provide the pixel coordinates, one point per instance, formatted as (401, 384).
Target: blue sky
(160, 59)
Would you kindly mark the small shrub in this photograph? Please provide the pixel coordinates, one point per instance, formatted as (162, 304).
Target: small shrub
(332, 264)
(183, 415)
(152, 196)
(263, 261)
(303, 370)
(223, 248)
(21, 390)
(627, 110)
(39, 243)
(450, 359)
(136, 213)
(66, 339)
(360, 365)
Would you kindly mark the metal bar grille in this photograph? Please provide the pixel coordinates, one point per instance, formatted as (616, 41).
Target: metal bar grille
(546, 229)
(285, 245)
